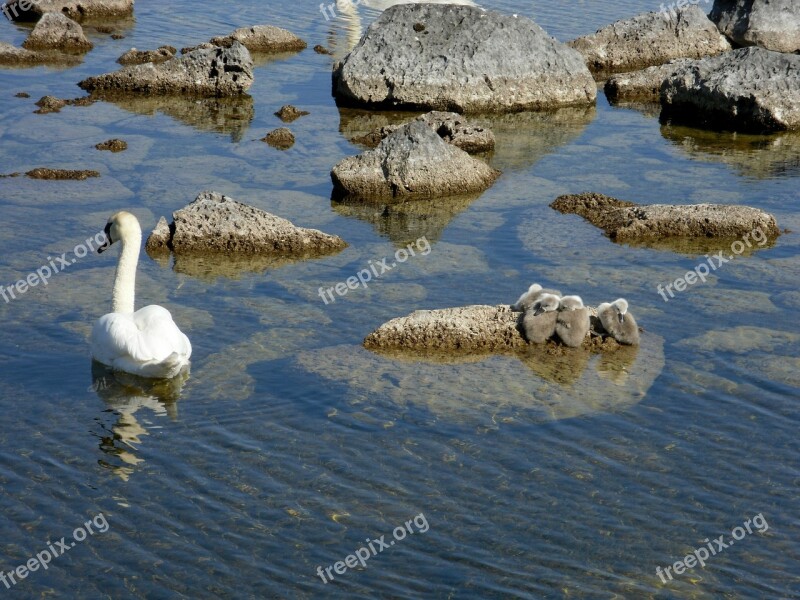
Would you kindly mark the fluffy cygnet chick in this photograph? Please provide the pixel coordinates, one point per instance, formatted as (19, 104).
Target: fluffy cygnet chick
(539, 321)
(572, 322)
(618, 322)
(532, 295)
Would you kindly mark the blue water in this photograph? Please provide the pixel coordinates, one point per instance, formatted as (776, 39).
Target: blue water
(289, 446)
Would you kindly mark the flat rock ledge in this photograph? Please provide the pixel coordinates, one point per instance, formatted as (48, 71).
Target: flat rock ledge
(413, 161)
(749, 89)
(54, 31)
(77, 10)
(210, 72)
(771, 24)
(215, 223)
(452, 127)
(643, 85)
(650, 39)
(262, 38)
(13, 56)
(627, 221)
(464, 329)
(461, 58)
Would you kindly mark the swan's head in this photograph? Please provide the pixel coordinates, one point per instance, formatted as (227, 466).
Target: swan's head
(121, 226)
(535, 287)
(620, 305)
(570, 303)
(547, 303)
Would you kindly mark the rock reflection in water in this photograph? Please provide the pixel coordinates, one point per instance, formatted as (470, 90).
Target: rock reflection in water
(522, 139)
(230, 116)
(756, 156)
(406, 221)
(535, 384)
(124, 395)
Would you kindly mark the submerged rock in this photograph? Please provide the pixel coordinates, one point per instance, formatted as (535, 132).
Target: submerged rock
(216, 223)
(462, 58)
(539, 384)
(771, 24)
(451, 127)
(289, 113)
(651, 39)
(643, 85)
(262, 38)
(411, 161)
(49, 104)
(114, 145)
(54, 31)
(749, 89)
(212, 72)
(140, 57)
(626, 221)
(77, 10)
(281, 138)
(43, 173)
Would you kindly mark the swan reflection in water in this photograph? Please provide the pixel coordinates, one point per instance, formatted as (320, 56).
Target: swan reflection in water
(124, 395)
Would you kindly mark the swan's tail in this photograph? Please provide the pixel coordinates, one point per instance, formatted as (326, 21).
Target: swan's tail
(165, 369)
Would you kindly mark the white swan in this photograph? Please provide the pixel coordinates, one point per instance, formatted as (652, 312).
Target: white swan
(146, 342)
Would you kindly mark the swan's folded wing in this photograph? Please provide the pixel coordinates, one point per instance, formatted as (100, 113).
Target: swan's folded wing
(116, 335)
(160, 335)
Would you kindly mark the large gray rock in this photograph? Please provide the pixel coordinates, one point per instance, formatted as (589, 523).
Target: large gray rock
(214, 223)
(651, 39)
(54, 31)
(77, 10)
(13, 56)
(626, 221)
(262, 38)
(771, 24)
(749, 89)
(451, 127)
(643, 85)
(211, 72)
(460, 58)
(412, 161)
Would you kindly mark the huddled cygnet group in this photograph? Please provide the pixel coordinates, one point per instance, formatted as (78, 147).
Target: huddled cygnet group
(549, 314)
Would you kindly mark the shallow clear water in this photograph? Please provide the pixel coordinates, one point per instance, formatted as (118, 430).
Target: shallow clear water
(290, 445)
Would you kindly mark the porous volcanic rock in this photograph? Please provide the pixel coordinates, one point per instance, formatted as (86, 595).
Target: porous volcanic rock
(262, 38)
(412, 161)
(451, 127)
(749, 89)
(54, 31)
(651, 39)
(643, 85)
(140, 57)
(210, 72)
(626, 221)
(215, 223)
(460, 58)
(771, 24)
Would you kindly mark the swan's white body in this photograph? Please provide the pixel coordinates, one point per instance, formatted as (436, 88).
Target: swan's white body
(147, 342)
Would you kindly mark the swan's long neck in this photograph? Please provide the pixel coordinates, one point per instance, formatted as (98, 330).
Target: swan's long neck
(124, 293)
